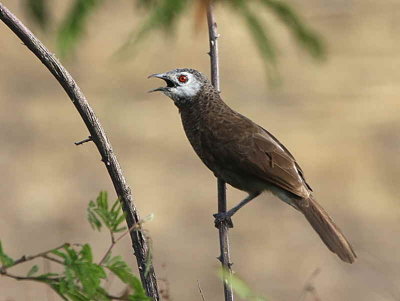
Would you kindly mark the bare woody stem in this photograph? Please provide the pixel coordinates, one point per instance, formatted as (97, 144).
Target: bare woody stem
(25, 278)
(99, 137)
(19, 278)
(32, 257)
(114, 240)
(213, 39)
(223, 227)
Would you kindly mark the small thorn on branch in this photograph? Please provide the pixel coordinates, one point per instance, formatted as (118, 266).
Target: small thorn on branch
(106, 161)
(84, 141)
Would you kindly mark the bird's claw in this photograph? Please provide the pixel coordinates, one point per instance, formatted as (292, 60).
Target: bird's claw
(223, 218)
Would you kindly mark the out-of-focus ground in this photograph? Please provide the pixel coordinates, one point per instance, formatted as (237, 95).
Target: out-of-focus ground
(340, 118)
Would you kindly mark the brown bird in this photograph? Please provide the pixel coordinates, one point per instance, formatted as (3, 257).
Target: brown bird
(245, 155)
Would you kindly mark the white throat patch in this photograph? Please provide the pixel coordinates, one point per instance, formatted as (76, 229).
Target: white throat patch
(189, 89)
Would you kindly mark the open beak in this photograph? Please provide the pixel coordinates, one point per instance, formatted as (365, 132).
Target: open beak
(165, 77)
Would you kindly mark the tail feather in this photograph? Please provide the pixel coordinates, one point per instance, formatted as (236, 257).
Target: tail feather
(330, 234)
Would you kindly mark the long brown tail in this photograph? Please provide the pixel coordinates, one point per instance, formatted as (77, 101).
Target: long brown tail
(330, 234)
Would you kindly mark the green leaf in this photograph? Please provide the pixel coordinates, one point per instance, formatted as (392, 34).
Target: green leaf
(120, 268)
(305, 36)
(74, 24)
(72, 255)
(76, 295)
(93, 220)
(100, 214)
(260, 36)
(116, 207)
(240, 287)
(81, 279)
(102, 200)
(86, 253)
(101, 295)
(33, 271)
(119, 229)
(118, 221)
(59, 254)
(47, 277)
(5, 260)
(163, 16)
(39, 11)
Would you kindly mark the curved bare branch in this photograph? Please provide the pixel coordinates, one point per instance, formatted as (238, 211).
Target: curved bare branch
(99, 137)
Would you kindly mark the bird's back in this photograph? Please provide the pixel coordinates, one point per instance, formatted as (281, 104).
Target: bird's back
(240, 151)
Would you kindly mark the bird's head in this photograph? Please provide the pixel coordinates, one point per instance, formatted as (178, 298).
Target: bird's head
(183, 85)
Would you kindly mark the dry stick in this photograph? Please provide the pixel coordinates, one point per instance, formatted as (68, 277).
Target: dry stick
(201, 291)
(19, 278)
(25, 258)
(99, 137)
(223, 227)
(7, 274)
(114, 241)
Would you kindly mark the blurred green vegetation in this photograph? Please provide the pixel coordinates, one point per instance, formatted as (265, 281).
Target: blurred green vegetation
(240, 287)
(81, 278)
(164, 15)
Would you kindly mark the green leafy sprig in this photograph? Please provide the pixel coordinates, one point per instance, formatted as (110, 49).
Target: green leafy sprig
(81, 278)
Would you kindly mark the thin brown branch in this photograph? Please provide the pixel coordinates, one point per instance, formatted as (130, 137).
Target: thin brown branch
(114, 240)
(99, 137)
(201, 291)
(52, 259)
(223, 227)
(213, 40)
(25, 258)
(21, 278)
(7, 274)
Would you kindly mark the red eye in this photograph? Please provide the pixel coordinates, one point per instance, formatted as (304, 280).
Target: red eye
(182, 78)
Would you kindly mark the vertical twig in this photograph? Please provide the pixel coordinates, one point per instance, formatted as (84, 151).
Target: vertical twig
(213, 39)
(97, 134)
(223, 226)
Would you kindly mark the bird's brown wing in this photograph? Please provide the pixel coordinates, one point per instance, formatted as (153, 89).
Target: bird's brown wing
(252, 150)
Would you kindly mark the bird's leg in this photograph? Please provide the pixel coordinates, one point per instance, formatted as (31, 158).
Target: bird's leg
(226, 216)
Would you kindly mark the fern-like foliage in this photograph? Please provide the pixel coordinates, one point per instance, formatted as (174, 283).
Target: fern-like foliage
(164, 15)
(39, 11)
(74, 24)
(82, 278)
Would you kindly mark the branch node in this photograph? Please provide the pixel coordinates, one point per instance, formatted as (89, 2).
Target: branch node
(106, 161)
(84, 141)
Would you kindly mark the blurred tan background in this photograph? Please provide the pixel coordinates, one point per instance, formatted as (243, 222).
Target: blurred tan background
(339, 118)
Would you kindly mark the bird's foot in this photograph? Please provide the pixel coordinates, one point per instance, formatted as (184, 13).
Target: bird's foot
(223, 218)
